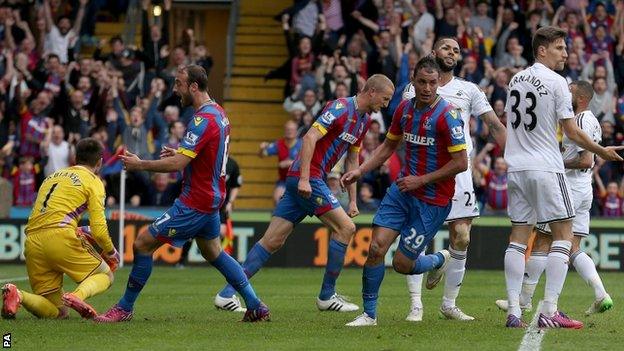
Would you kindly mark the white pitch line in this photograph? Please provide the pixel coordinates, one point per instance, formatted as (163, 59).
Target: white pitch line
(532, 340)
(10, 280)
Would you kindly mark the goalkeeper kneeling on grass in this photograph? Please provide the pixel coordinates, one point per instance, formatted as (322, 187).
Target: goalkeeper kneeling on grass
(55, 246)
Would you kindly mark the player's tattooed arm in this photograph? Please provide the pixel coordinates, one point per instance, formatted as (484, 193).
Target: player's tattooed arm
(583, 160)
(497, 129)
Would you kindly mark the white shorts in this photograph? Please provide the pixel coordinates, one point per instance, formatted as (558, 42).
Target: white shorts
(582, 198)
(464, 204)
(538, 197)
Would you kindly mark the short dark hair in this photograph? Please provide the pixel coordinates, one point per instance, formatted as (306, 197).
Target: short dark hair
(62, 17)
(440, 40)
(197, 74)
(584, 89)
(596, 79)
(51, 56)
(114, 39)
(88, 152)
(546, 36)
(428, 63)
(172, 124)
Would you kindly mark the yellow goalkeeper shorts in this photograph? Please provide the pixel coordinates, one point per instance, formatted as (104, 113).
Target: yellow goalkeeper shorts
(51, 253)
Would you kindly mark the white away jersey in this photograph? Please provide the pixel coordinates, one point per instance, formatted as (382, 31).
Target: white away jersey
(581, 178)
(465, 97)
(537, 99)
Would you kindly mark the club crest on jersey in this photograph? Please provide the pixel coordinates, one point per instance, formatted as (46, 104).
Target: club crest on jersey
(197, 120)
(191, 138)
(328, 117)
(457, 132)
(319, 200)
(427, 124)
(351, 139)
(339, 105)
(453, 113)
(172, 232)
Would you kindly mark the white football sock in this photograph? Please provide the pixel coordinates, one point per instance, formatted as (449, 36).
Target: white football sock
(514, 271)
(534, 268)
(587, 270)
(556, 271)
(414, 286)
(454, 277)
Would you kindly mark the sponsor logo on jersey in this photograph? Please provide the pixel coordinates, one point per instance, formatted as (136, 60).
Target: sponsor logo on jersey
(457, 132)
(418, 139)
(351, 139)
(191, 138)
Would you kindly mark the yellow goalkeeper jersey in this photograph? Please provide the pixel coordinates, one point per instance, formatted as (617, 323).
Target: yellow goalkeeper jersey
(64, 197)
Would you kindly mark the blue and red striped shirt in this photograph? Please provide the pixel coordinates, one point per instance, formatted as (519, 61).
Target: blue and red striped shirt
(35, 127)
(430, 135)
(496, 190)
(612, 206)
(206, 142)
(342, 128)
(284, 152)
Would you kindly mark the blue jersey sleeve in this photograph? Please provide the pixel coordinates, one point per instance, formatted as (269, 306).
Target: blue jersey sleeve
(455, 137)
(195, 138)
(330, 116)
(271, 150)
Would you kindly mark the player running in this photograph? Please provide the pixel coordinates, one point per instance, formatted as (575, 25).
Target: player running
(417, 204)
(53, 248)
(195, 214)
(339, 130)
(469, 100)
(578, 163)
(538, 100)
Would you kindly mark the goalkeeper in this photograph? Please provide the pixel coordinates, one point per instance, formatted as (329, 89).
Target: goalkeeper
(54, 245)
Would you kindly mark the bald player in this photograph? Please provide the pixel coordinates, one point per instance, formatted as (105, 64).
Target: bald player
(339, 130)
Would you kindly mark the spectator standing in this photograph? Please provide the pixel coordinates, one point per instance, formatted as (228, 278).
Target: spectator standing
(61, 37)
(59, 152)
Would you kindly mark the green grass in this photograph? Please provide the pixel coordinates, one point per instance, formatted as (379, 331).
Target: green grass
(175, 311)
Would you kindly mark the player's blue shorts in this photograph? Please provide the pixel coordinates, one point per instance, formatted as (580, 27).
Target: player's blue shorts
(294, 207)
(181, 223)
(415, 220)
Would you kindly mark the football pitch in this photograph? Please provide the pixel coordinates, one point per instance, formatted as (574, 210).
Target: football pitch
(175, 312)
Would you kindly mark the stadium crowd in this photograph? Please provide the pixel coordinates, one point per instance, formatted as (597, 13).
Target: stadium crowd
(335, 45)
(52, 95)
